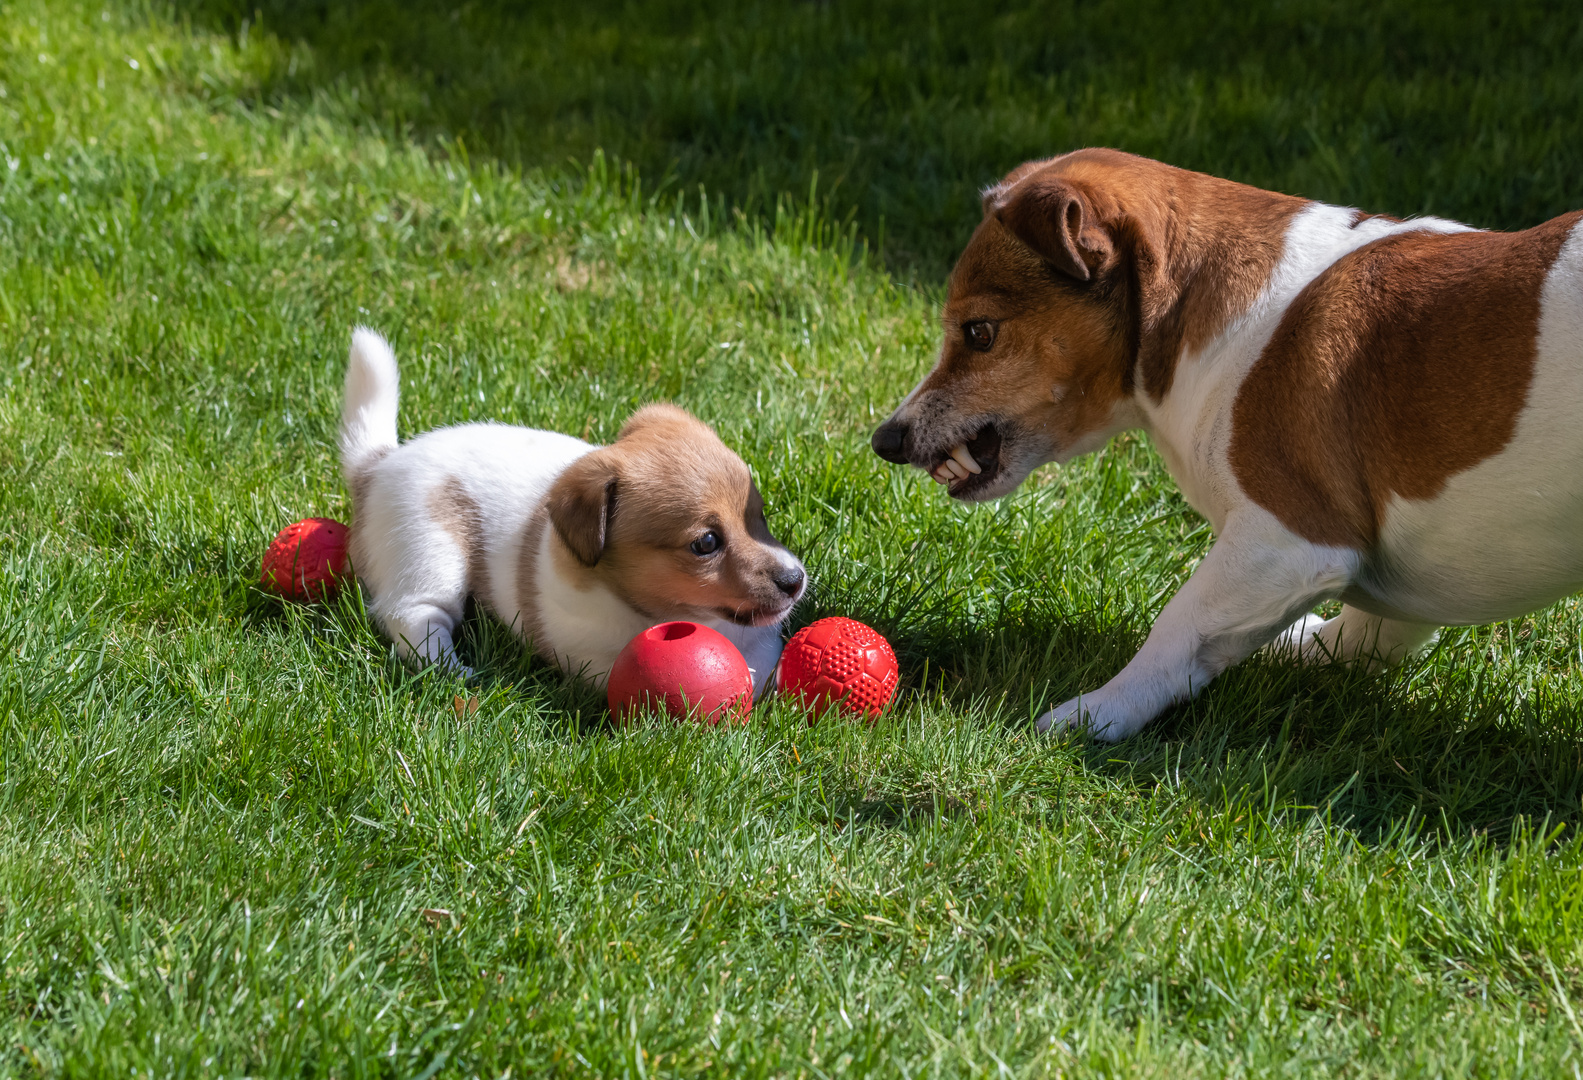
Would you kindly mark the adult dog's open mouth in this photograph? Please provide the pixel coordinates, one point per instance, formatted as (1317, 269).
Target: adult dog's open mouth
(970, 465)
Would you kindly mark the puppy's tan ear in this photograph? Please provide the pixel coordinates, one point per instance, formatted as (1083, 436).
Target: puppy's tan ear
(581, 504)
(1054, 219)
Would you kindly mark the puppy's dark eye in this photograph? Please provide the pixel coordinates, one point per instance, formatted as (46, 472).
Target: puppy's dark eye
(707, 544)
(979, 335)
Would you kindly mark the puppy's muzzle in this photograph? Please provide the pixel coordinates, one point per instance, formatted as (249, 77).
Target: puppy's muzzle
(789, 580)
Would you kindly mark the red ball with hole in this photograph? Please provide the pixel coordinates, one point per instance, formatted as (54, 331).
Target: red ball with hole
(686, 670)
(307, 560)
(838, 661)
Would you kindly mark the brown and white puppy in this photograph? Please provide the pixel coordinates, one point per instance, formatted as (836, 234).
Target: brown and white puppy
(1365, 408)
(576, 547)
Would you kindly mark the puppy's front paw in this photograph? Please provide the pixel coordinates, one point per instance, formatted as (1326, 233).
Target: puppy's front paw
(449, 664)
(1087, 712)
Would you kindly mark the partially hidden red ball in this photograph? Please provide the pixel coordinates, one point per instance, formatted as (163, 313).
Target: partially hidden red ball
(307, 560)
(688, 670)
(840, 661)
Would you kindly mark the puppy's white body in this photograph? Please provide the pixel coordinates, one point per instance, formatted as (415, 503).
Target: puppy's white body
(459, 511)
(1493, 536)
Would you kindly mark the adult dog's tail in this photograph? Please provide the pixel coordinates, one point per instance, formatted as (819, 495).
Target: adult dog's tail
(368, 419)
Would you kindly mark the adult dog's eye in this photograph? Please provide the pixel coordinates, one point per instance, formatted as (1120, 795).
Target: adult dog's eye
(707, 544)
(979, 335)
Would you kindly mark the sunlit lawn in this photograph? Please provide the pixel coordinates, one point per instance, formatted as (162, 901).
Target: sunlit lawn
(238, 838)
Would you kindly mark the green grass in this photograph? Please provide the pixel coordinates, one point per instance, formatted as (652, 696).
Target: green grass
(904, 110)
(222, 820)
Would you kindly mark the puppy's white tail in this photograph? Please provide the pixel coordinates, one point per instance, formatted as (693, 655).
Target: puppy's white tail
(368, 419)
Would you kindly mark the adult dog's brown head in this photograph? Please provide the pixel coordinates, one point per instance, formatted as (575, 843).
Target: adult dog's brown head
(1087, 276)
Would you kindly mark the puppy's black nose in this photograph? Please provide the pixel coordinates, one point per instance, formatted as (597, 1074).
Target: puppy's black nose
(788, 580)
(888, 440)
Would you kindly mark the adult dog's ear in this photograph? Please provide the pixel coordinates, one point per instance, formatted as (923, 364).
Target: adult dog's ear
(1054, 219)
(582, 503)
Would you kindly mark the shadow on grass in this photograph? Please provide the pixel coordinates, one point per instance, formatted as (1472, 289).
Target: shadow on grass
(905, 109)
(1375, 750)
(1450, 742)
(900, 810)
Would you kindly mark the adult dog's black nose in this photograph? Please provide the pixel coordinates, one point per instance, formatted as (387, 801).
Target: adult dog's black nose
(888, 440)
(788, 580)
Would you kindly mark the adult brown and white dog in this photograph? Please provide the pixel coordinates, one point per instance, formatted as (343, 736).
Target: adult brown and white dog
(576, 547)
(1381, 411)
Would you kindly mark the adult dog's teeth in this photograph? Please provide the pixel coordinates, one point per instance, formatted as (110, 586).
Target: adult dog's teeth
(950, 465)
(960, 455)
(940, 476)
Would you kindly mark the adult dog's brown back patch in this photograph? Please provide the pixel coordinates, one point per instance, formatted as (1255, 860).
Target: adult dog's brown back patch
(1406, 362)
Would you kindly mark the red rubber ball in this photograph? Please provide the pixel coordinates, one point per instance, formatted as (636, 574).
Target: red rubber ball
(689, 671)
(307, 560)
(840, 661)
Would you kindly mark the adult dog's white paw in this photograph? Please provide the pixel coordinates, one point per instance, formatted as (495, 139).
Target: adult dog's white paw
(1092, 713)
(1297, 642)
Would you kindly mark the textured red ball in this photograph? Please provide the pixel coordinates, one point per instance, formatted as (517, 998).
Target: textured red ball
(307, 560)
(688, 670)
(839, 660)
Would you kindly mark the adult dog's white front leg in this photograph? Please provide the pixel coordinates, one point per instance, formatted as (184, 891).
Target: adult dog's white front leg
(1255, 580)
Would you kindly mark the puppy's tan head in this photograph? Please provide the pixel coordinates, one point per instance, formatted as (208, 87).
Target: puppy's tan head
(668, 518)
(1041, 324)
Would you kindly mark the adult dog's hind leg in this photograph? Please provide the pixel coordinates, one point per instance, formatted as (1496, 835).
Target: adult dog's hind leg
(1354, 635)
